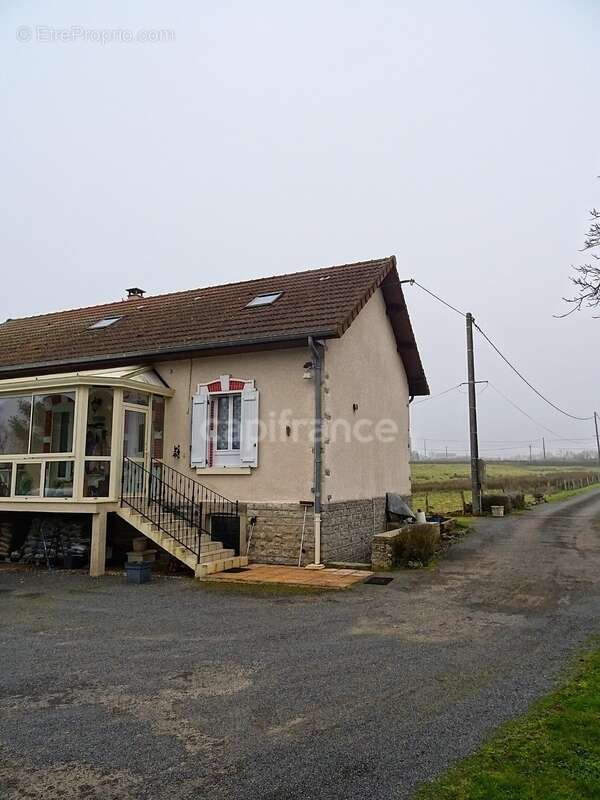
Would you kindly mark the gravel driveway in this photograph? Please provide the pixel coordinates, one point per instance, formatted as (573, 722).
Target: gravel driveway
(175, 690)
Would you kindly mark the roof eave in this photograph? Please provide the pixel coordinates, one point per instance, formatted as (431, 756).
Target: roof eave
(296, 339)
(405, 339)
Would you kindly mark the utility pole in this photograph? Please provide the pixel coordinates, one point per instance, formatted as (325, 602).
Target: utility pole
(597, 439)
(425, 447)
(475, 482)
(544, 447)
(530, 456)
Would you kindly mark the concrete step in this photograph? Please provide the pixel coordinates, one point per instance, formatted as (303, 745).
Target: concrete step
(170, 544)
(204, 570)
(211, 551)
(216, 555)
(186, 534)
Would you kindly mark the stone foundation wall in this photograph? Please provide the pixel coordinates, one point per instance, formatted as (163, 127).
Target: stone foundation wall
(347, 529)
(278, 532)
(408, 542)
(383, 549)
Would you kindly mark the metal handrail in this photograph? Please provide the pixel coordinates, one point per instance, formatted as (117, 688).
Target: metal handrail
(176, 515)
(193, 480)
(175, 503)
(217, 503)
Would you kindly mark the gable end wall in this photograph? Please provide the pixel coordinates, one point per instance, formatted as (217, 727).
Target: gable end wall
(363, 367)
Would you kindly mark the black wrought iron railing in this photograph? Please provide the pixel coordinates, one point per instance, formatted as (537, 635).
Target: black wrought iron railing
(175, 503)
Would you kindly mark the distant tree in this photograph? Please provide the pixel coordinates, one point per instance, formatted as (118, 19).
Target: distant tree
(587, 276)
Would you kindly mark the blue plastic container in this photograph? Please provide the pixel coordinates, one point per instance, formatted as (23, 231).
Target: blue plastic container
(139, 573)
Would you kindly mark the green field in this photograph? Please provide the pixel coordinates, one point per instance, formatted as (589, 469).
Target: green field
(551, 754)
(438, 486)
(447, 471)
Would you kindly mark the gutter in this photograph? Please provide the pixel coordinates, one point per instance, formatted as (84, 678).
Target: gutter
(317, 352)
(126, 357)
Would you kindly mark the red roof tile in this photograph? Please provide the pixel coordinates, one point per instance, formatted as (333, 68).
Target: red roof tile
(319, 302)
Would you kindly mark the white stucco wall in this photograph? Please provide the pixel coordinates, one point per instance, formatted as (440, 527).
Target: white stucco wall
(284, 472)
(363, 367)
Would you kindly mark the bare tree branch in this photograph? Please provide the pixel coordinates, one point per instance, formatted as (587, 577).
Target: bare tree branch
(587, 277)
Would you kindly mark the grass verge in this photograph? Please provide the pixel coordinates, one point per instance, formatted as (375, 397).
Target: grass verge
(465, 524)
(553, 753)
(558, 496)
(449, 501)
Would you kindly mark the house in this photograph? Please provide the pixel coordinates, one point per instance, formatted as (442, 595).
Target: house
(265, 419)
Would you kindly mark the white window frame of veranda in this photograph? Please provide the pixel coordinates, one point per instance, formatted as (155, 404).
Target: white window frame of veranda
(78, 459)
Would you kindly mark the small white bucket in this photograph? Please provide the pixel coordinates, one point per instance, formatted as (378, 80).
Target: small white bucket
(421, 518)
(497, 511)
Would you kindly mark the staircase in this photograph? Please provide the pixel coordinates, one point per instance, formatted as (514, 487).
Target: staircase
(174, 512)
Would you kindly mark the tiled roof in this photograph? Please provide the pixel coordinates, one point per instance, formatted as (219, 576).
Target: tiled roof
(319, 302)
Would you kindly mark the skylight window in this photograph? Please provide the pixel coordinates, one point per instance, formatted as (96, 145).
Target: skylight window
(104, 323)
(264, 299)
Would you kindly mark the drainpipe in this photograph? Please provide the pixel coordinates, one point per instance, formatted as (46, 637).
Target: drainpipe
(318, 456)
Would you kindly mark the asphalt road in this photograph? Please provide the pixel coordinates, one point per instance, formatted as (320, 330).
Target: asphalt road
(172, 690)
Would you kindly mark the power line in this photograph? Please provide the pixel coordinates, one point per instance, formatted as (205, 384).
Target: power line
(447, 391)
(515, 442)
(524, 379)
(413, 282)
(488, 441)
(514, 405)
(525, 414)
(524, 442)
(435, 396)
(437, 297)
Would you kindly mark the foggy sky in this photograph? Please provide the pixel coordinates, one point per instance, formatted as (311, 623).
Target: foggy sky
(269, 137)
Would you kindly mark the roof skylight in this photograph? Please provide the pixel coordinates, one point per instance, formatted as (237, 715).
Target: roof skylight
(104, 323)
(264, 299)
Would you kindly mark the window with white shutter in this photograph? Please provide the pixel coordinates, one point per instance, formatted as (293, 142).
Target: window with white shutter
(249, 432)
(200, 405)
(225, 424)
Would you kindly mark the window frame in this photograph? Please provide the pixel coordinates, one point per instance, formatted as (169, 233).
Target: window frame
(81, 390)
(230, 459)
(105, 322)
(230, 397)
(43, 454)
(116, 400)
(33, 456)
(42, 482)
(45, 469)
(264, 299)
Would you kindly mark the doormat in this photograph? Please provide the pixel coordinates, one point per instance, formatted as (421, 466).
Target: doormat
(379, 580)
(236, 569)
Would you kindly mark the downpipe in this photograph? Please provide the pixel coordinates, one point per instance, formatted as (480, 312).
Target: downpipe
(317, 564)
(317, 359)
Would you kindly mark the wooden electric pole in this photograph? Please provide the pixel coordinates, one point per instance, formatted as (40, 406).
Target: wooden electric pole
(597, 439)
(544, 446)
(475, 481)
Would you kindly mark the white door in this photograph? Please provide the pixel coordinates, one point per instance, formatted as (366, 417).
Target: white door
(136, 454)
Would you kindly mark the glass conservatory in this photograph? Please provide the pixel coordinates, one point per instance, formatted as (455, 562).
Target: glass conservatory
(63, 437)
